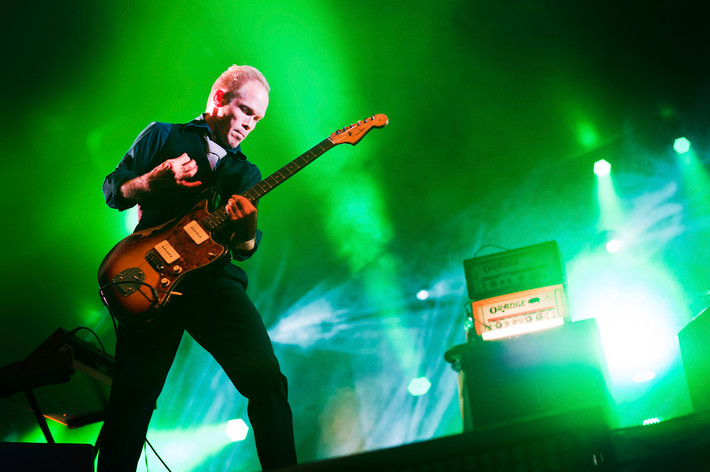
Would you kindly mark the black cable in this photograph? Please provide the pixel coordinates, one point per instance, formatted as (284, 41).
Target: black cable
(153, 290)
(115, 326)
(157, 455)
(103, 349)
(113, 317)
(485, 246)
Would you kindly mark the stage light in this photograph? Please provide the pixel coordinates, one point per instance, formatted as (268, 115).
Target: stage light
(419, 386)
(649, 421)
(639, 307)
(681, 145)
(602, 168)
(613, 246)
(237, 430)
(644, 376)
(422, 295)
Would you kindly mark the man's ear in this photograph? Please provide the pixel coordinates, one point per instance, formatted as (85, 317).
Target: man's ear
(217, 98)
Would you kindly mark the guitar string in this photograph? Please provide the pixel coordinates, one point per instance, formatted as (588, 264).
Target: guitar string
(260, 189)
(218, 217)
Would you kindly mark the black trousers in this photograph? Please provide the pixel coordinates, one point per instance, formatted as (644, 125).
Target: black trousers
(216, 311)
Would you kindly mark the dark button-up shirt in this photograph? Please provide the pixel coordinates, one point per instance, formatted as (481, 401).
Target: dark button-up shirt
(150, 149)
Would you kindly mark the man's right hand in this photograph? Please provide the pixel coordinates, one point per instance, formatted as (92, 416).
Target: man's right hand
(174, 173)
(170, 174)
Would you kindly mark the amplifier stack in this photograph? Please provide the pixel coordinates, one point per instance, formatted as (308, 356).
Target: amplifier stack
(516, 291)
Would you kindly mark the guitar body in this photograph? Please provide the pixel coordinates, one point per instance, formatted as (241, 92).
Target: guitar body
(139, 276)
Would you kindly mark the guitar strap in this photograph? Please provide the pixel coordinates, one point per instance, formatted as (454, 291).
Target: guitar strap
(217, 189)
(215, 155)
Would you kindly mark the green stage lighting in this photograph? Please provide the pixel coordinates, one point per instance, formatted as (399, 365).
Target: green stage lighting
(237, 430)
(681, 145)
(423, 295)
(613, 246)
(419, 386)
(639, 307)
(602, 168)
(645, 376)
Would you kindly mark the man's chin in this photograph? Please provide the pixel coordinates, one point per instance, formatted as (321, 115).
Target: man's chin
(235, 143)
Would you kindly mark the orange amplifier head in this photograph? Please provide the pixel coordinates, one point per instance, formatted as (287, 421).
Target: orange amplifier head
(519, 312)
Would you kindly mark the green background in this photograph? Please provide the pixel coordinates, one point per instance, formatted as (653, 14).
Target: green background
(497, 112)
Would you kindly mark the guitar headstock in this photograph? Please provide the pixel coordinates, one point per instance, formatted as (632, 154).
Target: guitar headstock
(354, 133)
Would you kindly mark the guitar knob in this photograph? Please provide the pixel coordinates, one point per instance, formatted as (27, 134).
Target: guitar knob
(164, 281)
(177, 269)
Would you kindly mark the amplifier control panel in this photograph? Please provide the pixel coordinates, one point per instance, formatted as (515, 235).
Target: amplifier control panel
(519, 312)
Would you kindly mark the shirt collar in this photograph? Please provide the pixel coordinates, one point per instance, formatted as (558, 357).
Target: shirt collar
(200, 124)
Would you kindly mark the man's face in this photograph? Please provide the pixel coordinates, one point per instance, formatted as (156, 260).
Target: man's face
(235, 120)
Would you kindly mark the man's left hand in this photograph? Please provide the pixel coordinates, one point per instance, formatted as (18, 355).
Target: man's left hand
(243, 215)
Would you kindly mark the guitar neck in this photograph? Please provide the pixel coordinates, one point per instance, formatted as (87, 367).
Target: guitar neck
(350, 134)
(284, 173)
(219, 217)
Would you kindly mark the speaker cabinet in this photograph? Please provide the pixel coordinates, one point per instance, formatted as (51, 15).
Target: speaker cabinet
(694, 341)
(534, 375)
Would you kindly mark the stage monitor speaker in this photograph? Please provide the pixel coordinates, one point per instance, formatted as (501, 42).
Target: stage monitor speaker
(534, 375)
(694, 341)
(25, 457)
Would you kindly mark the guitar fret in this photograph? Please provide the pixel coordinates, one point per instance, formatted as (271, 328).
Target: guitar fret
(281, 175)
(214, 220)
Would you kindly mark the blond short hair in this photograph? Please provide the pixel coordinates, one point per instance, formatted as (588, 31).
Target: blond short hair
(235, 77)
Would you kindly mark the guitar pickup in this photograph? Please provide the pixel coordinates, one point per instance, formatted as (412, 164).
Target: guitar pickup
(195, 231)
(155, 261)
(162, 254)
(167, 252)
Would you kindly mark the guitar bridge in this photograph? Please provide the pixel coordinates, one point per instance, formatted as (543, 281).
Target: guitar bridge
(129, 281)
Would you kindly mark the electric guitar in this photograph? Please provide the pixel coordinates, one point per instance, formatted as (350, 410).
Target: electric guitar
(140, 275)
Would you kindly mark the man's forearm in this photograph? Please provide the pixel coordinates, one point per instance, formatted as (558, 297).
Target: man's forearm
(172, 173)
(135, 190)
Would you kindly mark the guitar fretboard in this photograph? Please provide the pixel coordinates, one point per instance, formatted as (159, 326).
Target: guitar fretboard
(219, 217)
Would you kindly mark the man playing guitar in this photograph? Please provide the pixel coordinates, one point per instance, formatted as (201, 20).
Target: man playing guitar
(167, 168)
